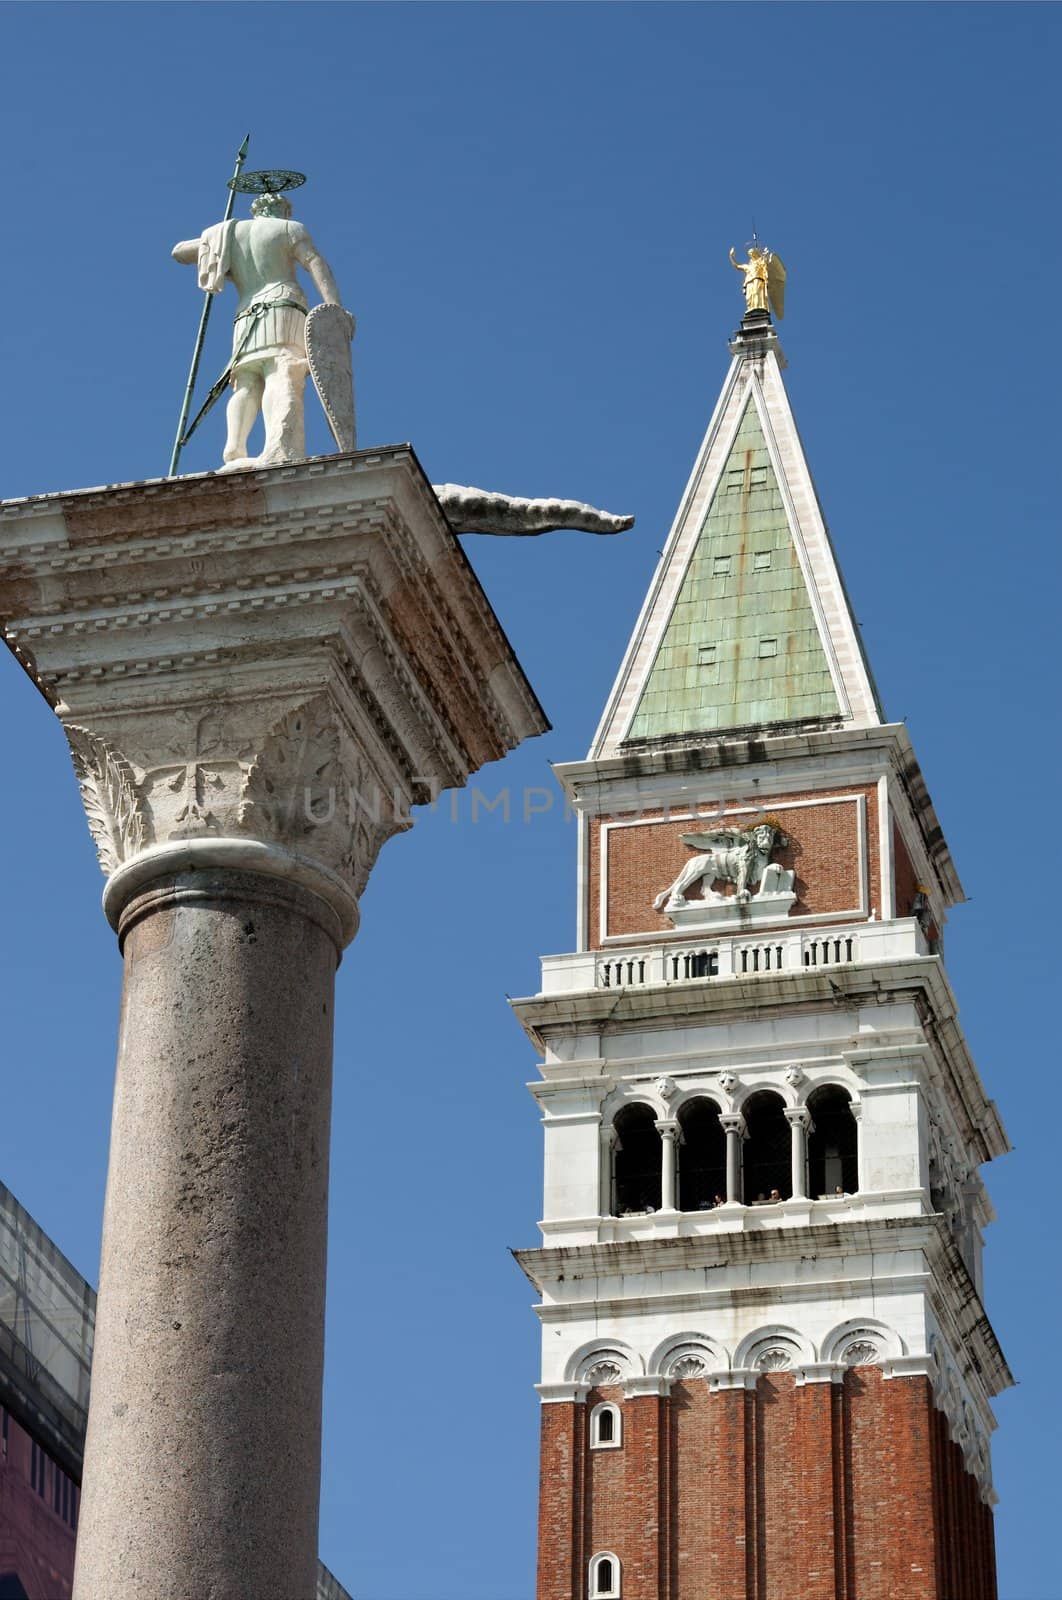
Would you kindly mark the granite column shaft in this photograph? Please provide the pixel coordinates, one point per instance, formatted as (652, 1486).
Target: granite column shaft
(203, 1456)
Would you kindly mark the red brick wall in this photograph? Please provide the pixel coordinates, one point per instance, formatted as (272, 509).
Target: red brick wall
(562, 1561)
(903, 874)
(35, 1543)
(818, 1492)
(823, 851)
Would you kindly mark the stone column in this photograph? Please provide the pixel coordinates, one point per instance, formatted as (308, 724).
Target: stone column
(606, 1159)
(733, 1125)
(669, 1136)
(856, 1109)
(258, 675)
(206, 1380)
(799, 1120)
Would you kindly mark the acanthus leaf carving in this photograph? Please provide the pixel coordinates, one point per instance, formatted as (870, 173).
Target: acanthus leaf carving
(109, 795)
(294, 782)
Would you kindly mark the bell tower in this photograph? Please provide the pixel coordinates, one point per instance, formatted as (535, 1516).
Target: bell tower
(767, 1371)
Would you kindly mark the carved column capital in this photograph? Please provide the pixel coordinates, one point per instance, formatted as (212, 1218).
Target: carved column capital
(733, 1122)
(798, 1117)
(264, 671)
(669, 1129)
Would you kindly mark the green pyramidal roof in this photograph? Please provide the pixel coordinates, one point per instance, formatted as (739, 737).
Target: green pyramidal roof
(741, 645)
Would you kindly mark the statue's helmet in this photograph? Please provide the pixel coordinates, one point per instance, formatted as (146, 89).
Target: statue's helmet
(271, 205)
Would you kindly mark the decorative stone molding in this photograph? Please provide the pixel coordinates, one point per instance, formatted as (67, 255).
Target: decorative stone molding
(914, 1366)
(687, 1358)
(601, 1363)
(861, 1353)
(734, 1378)
(819, 1372)
(775, 1358)
(265, 670)
(687, 1367)
(776, 1349)
(561, 1393)
(603, 1372)
(109, 796)
(861, 1343)
(637, 1385)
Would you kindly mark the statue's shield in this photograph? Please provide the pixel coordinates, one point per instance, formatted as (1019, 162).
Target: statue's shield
(329, 330)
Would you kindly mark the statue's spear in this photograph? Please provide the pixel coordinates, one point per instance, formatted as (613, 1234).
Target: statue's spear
(193, 373)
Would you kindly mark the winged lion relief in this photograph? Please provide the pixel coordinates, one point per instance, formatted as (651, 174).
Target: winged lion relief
(737, 856)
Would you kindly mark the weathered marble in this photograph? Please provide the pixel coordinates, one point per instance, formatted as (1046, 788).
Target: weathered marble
(261, 257)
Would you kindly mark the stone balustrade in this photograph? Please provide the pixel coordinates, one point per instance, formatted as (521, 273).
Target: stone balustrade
(638, 966)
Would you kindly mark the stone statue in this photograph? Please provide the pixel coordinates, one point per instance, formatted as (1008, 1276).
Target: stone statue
(738, 856)
(269, 365)
(764, 280)
(275, 343)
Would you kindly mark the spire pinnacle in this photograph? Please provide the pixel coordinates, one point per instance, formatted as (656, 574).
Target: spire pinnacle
(746, 624)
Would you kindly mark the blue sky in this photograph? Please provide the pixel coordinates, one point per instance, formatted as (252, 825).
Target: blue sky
(529, 208)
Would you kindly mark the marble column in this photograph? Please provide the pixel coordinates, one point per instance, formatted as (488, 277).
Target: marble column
(668, 1130)
(733, 1125)
(799, 1120)
(259, 675)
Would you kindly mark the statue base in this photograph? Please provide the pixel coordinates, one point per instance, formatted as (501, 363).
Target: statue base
(756, 336)
(732, 913)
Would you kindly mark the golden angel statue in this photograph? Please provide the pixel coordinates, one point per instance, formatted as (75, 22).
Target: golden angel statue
(764, 283)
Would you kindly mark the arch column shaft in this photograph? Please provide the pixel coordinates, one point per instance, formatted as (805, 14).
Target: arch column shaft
(206, 1381)
(799, 1121)
(669, 1133)
(734, 1126)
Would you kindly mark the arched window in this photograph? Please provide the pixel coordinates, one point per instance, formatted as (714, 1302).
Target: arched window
(768, 1164)
(635, 1162)
(604, 1577)
(833, 1158)
(702, 1156)
(606, 1427)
